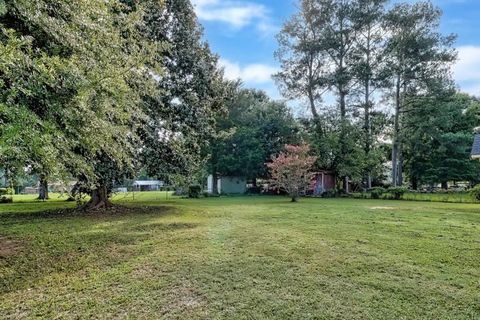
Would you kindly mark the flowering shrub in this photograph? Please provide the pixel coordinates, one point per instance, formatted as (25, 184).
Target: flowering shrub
(290, 170)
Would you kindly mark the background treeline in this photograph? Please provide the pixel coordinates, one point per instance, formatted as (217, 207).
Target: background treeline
(376, 77)
(97, 91)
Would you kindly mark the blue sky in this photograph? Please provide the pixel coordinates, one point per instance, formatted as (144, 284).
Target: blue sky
(243, 33)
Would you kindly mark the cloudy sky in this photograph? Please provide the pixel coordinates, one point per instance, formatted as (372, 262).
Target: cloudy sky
(243, 33)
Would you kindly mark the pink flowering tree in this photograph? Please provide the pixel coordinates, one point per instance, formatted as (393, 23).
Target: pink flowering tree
(290, 170)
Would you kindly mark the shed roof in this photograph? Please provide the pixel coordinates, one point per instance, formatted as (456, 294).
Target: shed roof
(476, 147)
(148, 183)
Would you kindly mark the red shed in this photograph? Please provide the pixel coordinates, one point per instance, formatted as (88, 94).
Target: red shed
(322, 181)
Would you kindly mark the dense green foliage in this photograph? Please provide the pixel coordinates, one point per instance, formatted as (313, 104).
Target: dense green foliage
(377, 192)
(194, 191)
(96, 90)
(388, 67)
(475, 193)
(254, 128)
(438, 139)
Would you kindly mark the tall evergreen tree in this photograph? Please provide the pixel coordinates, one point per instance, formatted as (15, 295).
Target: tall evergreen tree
(419, 56)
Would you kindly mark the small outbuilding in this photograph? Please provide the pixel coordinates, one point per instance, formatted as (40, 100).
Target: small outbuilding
(228, 185)
(148, 185)
(322, 182)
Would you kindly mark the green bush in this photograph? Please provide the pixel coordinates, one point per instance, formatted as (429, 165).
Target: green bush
(7, 191)
(475, 192)
(194, 191)
(6, 199)
(330, 194)
(397, 192)
(377, 192)
(254, 190)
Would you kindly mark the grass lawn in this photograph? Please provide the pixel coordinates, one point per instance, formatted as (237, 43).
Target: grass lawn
(242, 258)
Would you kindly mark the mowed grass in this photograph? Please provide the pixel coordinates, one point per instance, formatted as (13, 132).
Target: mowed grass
(242, 258)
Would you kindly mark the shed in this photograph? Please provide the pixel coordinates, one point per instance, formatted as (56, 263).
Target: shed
(148, 185)
(322, 181)
(228, 185)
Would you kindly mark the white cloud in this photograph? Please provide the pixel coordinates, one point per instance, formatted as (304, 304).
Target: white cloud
(250, 74)
(467, 69)
(237, 14)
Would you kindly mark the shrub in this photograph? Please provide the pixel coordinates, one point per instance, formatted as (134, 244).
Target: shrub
(6, 199)
(377, 192)
(194, 191)
(475, 192)
(330, 194)
(397, 192)
(7, 191)
(254, 190)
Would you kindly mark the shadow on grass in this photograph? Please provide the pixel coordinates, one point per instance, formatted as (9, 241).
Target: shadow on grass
(80, 246)
(68, 212)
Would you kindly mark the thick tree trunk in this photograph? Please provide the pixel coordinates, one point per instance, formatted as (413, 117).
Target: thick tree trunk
(99, 199)
(43, 188)
(445, 185)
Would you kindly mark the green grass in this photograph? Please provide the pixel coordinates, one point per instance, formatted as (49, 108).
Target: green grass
(453, 197)
(458, 197)
(242, 258)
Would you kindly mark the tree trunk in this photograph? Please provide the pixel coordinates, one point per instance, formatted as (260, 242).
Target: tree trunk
(294, 198)
(343, 131)
(43, 188)
(400, 167)
(414, 183)
(346, 183)
(215, 183)
(367, 127)
(396, 133)
(311, 99)
(445, 185)
(99, 199)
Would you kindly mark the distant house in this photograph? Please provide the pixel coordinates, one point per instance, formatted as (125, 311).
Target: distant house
(30, 190)
(148, 185)
(476, 145)
(323, 181)
(228, 185)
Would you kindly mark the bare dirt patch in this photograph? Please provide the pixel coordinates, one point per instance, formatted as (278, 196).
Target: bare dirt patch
(10, 247)
(383, 208)
(184, 297)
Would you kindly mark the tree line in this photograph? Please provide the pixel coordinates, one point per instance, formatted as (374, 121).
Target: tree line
(98, 90)
(95, 89)
(377, 79)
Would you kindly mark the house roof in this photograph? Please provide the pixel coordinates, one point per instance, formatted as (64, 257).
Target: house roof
(148, 183)
(476, 147)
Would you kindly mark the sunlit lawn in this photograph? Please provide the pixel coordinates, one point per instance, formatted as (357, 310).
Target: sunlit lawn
(241, 258)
